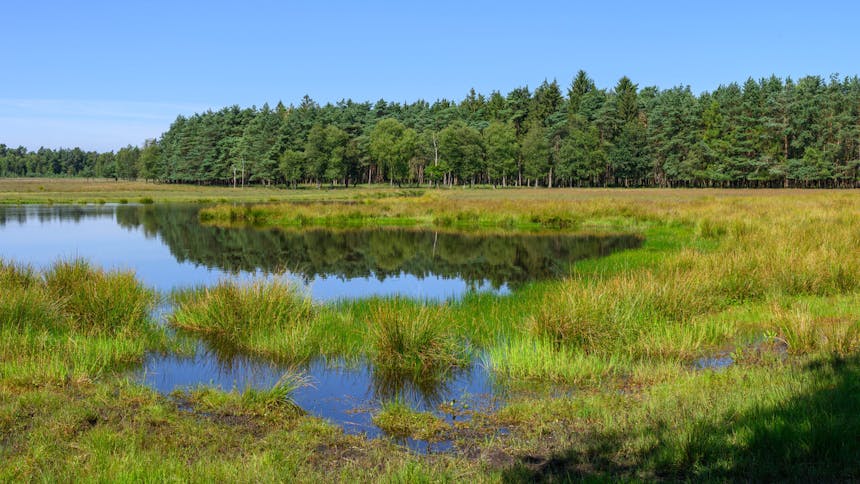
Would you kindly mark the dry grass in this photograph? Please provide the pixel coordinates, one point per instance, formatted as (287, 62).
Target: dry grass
(80, 190)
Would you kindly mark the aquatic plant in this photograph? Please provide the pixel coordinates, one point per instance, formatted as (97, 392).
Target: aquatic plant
(275, 401)
(72, 321)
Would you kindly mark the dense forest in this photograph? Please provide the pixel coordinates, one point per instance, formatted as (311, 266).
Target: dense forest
(766, 133)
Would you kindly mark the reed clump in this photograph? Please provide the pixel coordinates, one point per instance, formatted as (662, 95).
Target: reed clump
(23, 309)
(98, 301)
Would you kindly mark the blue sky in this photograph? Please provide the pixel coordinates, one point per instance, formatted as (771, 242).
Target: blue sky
(102, 75)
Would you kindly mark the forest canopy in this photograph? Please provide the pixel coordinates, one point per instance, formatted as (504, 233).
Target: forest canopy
(770, 132)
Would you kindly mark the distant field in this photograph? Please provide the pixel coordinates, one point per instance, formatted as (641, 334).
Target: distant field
(79, 190)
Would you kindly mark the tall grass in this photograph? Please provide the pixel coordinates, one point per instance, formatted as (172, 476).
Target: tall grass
(720, 272)
(72, 321)
(805, 333)
(98, 301)
(263, 317)
(26, 309)
(542, 360)
(709, 253)
(412, 338)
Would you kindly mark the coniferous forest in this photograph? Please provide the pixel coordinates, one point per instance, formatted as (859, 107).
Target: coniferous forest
(768, 133)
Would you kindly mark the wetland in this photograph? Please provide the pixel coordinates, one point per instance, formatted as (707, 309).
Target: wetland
(447, 335)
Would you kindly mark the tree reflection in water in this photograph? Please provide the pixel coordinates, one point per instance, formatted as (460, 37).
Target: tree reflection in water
(502, 259)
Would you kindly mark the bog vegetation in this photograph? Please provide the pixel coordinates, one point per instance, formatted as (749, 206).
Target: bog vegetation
(768, 281)
(770, 132)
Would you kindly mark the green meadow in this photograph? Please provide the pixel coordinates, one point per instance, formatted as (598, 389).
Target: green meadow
(725, 347)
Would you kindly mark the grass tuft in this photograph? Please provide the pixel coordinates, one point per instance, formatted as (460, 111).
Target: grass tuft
(407, 337)
(98, 301)
(245, 314)
(396, 419)
(276, 401)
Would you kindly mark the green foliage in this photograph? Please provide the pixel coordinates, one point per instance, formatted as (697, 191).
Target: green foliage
(501, 151)
(392, 145)
(764, 133)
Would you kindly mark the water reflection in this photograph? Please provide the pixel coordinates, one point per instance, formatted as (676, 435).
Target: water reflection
(379, 253)
(168, 248)
(346, 393)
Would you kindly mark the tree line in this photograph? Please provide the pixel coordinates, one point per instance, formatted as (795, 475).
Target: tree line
(771, 132)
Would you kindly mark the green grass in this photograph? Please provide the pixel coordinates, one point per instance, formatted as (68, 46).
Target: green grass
(542, 360)
(275, 402)
(265, 318)
(770, 279)
(97, 301)
(73, 322)
(414, 339)
(790, 422)
(396, 419)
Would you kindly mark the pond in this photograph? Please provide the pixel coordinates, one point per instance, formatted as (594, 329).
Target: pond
(167, 247)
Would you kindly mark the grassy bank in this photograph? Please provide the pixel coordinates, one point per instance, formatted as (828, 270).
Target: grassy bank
(768, 283)
(82, 190)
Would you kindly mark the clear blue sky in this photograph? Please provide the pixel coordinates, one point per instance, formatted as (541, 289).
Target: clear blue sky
(101, 75)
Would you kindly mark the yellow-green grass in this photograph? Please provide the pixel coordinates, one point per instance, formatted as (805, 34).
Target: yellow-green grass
(73, 322)
(273, 403)
(705, 252)
(118, 431)
(786, 422)
(416, 340)
(266, 318)
(397, 419)
(67, 413)
(99, 191)
(769, 278)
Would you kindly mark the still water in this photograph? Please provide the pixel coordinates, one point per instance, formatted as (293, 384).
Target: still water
(168, 248)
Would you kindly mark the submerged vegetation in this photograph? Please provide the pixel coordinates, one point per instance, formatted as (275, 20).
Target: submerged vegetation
(768, 282)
